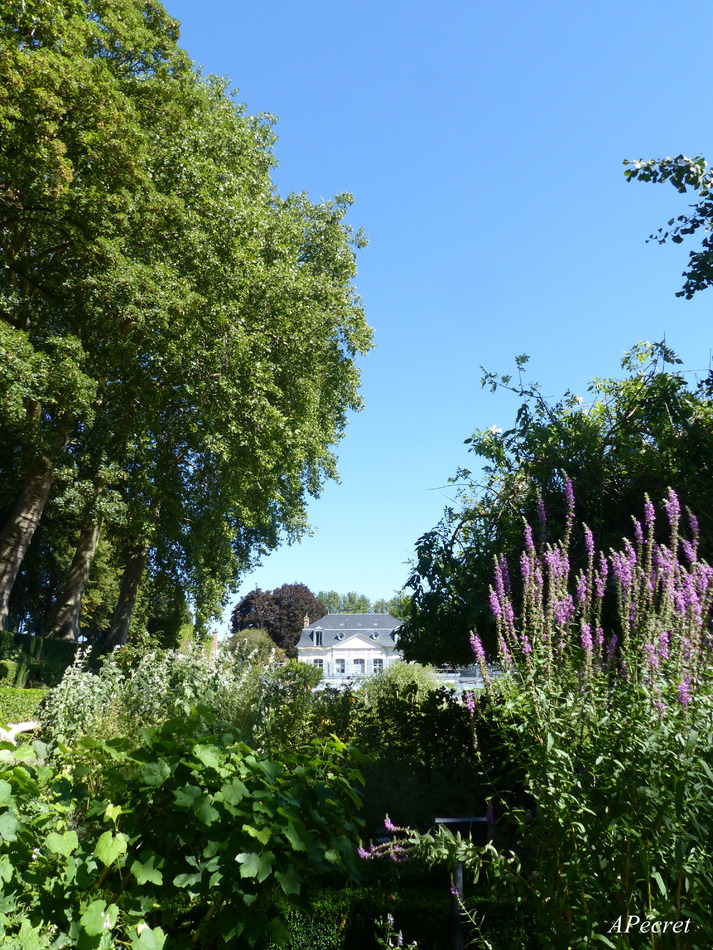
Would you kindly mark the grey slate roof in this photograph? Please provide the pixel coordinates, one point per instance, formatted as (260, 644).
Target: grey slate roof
(338, 627)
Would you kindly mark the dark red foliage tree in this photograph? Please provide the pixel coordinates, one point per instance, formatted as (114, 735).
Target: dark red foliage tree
(281, 612)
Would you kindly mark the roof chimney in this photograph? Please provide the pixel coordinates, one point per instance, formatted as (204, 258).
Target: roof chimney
(306, 623)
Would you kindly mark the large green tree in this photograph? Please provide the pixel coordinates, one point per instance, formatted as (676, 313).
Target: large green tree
(636, 435)
(182, 339)
(685, 174)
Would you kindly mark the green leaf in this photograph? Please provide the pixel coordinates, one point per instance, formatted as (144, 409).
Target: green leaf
(155, 773)
(263, 835)
(99, 917)
(62, 844)
(290, 881)
(204, 811)
(295, 837)
(147, 938)
(209, 755)
(234, 792)
(8, 826)
(256, 865)
(185, 797)
(5, 792)
(147, 870)
(110, 846)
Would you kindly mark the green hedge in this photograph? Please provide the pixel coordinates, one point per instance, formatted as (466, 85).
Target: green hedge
(19, 705)
(39, 660)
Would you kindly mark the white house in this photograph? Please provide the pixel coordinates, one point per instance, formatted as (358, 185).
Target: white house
(344, 646)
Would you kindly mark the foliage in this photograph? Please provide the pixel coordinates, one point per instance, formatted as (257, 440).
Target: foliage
(178, 341)
(133, 689)
(190, 850)
(255, 644)
(281, 612)
(39, 660)
(684, 174)
(407, 681)
(599, 755)
(638, 435)
(19, 705)
(353, 603)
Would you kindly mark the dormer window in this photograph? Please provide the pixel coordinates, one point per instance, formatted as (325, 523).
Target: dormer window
(375, 636)
(318, 637)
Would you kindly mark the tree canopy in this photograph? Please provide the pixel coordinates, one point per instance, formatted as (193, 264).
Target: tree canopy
(638, 435)
(280, 612)
(684, 174)
(178, 341)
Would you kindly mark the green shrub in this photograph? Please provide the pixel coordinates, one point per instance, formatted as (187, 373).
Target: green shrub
(19, 705)
(186, 843)
(8, 672)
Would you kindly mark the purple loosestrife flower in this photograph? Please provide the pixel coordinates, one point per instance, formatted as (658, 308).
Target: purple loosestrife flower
(563, 610)
(541, 514)
(504, 652)
(526, 645)
(363, 853)
(689, 550)
(586, 637)
(582, 588)
(649, 514)
(495, 604)
(525, 567)
(589, 542)
(651, 655)
(684, 691)
(638, 532)
(663, 644)
(529, 543)
(673, 509)
(388, 824)
(469, 701)
(569, 499)
(476, 646)
(611, 646)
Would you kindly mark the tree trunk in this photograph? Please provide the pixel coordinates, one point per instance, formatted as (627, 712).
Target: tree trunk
(18, 531)
(118, 632)
(66, 616)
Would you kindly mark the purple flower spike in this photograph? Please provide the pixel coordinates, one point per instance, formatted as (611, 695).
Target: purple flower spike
(649, 514)
(586, 637)
(684, 692)
(541, 514)
(673, 508)
(388, 824)
(589, 542)
(469, 701)
(526, 645)
(476, 646)
(495, 604)
(569, 499)
(529, 543)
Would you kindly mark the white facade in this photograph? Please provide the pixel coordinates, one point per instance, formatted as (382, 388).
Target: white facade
(348, 646)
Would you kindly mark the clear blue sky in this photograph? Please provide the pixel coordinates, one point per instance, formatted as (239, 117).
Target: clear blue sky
(483, 144)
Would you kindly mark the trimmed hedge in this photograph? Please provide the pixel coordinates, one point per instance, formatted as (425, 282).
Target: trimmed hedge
(19, 705)
(39, 660)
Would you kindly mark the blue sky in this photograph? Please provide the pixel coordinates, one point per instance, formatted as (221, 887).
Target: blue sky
(483, 144)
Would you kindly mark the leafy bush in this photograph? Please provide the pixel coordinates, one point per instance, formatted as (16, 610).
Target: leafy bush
(189, 842)
(43, 661)
(132, 690)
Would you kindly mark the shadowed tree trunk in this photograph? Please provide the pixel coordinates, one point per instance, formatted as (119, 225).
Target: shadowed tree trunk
(118, 632)
(19, 530)
(66, 616)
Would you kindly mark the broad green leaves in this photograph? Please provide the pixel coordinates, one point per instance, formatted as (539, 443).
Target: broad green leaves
(209, 820)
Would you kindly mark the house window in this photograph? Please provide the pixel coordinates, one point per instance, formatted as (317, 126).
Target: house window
(378, 665)
(319, 664)
(359, 667)
(318, 638)
(340, 666)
